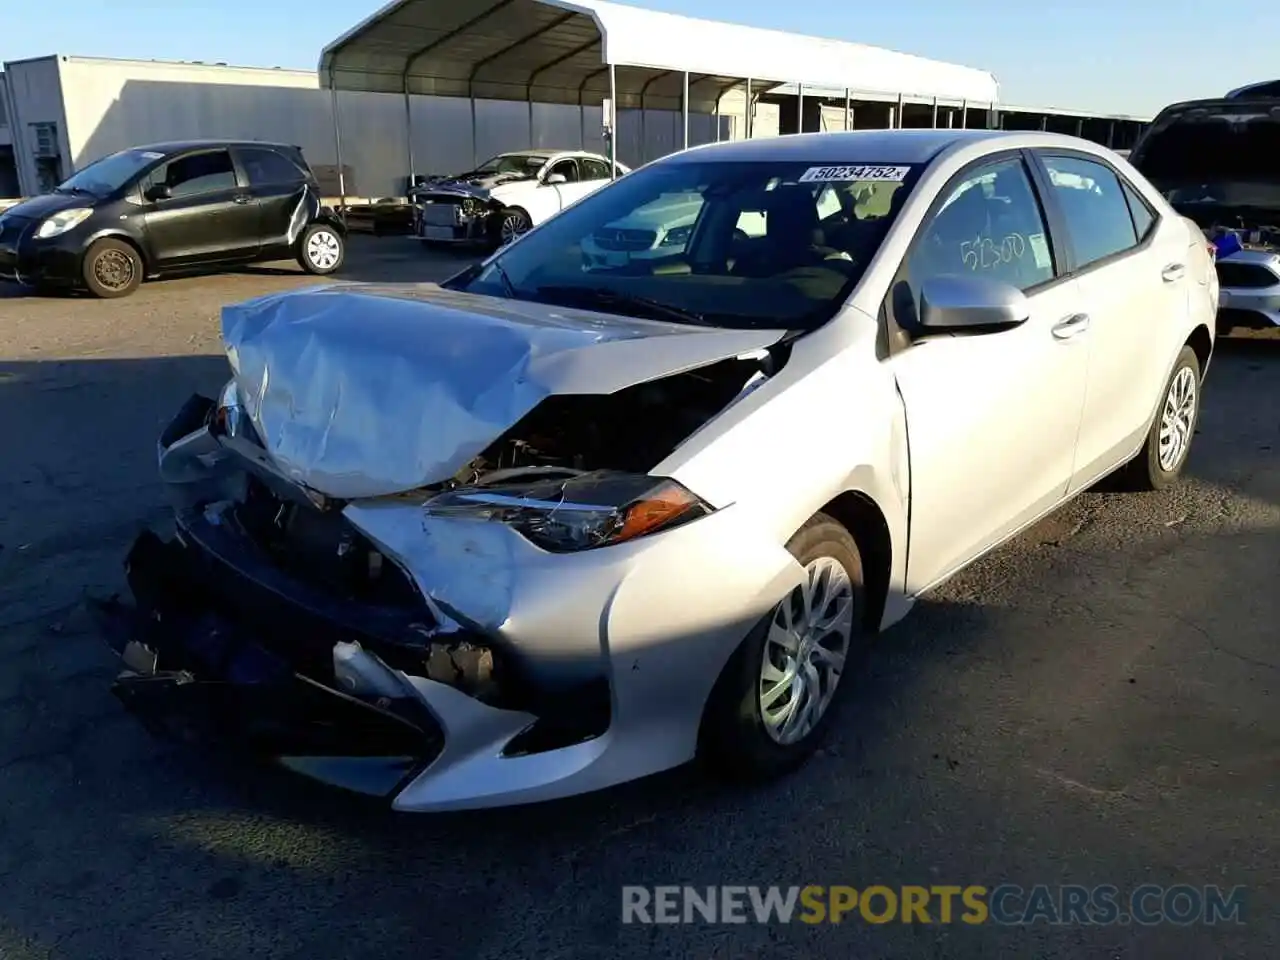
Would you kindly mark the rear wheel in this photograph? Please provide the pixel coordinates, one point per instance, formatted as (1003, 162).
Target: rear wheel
(777, 696)
(112, 268)
(320, 249)
(1168, 442)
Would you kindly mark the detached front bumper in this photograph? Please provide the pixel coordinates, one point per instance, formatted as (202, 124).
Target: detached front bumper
(477, 671)
(195, 673)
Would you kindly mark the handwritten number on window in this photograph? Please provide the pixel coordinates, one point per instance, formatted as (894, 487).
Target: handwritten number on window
(985, 253)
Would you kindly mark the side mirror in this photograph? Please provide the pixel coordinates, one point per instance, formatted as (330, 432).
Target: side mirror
(973, 304)
(158, 191)
(554, 178)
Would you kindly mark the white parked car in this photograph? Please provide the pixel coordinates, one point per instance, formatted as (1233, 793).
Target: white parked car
(506, 195)
(547, 527)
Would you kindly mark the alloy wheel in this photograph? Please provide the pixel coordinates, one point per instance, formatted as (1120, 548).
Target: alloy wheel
(1177, 421)
(805, 650)
(513, 225)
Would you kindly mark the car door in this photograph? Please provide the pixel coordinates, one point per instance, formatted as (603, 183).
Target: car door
(204, 214)
(574, 188)
(991, 417)
(278, 187)
(1132, 268)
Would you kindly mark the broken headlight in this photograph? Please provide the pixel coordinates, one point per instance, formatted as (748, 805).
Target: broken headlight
(585, 511)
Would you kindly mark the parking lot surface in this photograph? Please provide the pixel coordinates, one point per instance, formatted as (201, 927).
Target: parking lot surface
(1094, 704)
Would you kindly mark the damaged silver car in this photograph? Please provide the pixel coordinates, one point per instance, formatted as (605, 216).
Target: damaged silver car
(565, 521)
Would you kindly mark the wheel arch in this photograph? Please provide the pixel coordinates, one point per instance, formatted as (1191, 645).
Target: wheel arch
(1201, 342)
(329, 218)
(862, 517)
(139, 247)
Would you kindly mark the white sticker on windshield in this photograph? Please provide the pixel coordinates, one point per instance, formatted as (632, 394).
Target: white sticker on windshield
(1040, 250)
(152, 155)
(841, 174)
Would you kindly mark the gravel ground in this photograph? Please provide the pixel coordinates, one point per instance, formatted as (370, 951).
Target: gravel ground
(1094, 704)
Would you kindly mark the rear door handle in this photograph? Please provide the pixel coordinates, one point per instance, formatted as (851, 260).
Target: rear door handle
(1071, 326)
(241, 198)
(1172, 272)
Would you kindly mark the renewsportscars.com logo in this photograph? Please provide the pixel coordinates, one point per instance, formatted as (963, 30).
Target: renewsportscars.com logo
(1005, 904)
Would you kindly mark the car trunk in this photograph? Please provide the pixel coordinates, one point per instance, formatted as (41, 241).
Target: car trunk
(1218, 163)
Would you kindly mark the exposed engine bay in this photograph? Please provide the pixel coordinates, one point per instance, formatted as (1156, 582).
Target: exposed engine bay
(631, 431)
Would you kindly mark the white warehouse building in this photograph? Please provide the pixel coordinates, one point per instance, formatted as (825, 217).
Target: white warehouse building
(387, 113)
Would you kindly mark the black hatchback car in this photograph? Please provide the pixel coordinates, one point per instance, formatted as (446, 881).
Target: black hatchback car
(170, 208)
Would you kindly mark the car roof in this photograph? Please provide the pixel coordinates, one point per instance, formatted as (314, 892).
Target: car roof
(179, 146)
(550, 152)
(873, 146)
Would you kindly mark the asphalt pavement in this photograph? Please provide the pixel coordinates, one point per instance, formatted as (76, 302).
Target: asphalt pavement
(1094, 704)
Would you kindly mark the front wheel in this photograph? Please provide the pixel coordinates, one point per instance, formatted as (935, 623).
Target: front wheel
(1168, 443)
(320, 249)
(112, 268)
(512, 224)
(775, 699)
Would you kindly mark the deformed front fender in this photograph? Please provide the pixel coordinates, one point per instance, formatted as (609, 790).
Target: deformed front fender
(331, 218)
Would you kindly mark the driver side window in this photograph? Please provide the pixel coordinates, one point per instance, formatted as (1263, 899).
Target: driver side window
(197, 174)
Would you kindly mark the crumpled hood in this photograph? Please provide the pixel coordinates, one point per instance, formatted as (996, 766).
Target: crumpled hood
(366, 390)
(479, 186)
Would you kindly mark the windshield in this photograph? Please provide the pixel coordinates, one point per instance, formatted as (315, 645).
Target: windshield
(104, 177)
(727, 244)
(526, 164)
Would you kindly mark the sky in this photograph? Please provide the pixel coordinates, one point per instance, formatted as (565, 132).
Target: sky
(1122, 56)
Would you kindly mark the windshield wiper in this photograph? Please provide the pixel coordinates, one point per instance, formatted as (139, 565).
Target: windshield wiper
(607, 297)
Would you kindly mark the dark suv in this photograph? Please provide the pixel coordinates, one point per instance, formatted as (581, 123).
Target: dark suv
(169, 208)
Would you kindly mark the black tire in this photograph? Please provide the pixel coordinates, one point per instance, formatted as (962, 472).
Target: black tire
(112, 269)
(510, 224)
(1145, 471)
(734, 742)
(321, 249)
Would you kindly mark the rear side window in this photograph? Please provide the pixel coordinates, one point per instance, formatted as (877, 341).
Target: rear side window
(1143, 216)
(594, 170)
(198, 173)
(1094, 205)
(266, 167)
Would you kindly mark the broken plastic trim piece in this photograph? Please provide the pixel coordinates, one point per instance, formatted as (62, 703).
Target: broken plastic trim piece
(578, 513)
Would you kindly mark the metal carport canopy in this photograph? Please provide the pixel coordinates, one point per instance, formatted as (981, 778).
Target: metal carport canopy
(561, 51)
(570, 51)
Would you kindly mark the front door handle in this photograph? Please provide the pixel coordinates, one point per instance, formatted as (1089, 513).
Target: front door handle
(1172, 272)
(1071, 326)
(241, 198)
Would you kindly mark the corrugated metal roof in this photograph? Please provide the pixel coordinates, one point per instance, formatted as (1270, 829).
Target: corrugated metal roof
(558, 51)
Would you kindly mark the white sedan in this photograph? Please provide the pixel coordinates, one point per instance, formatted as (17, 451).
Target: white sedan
(506, 195)
(552, 526)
